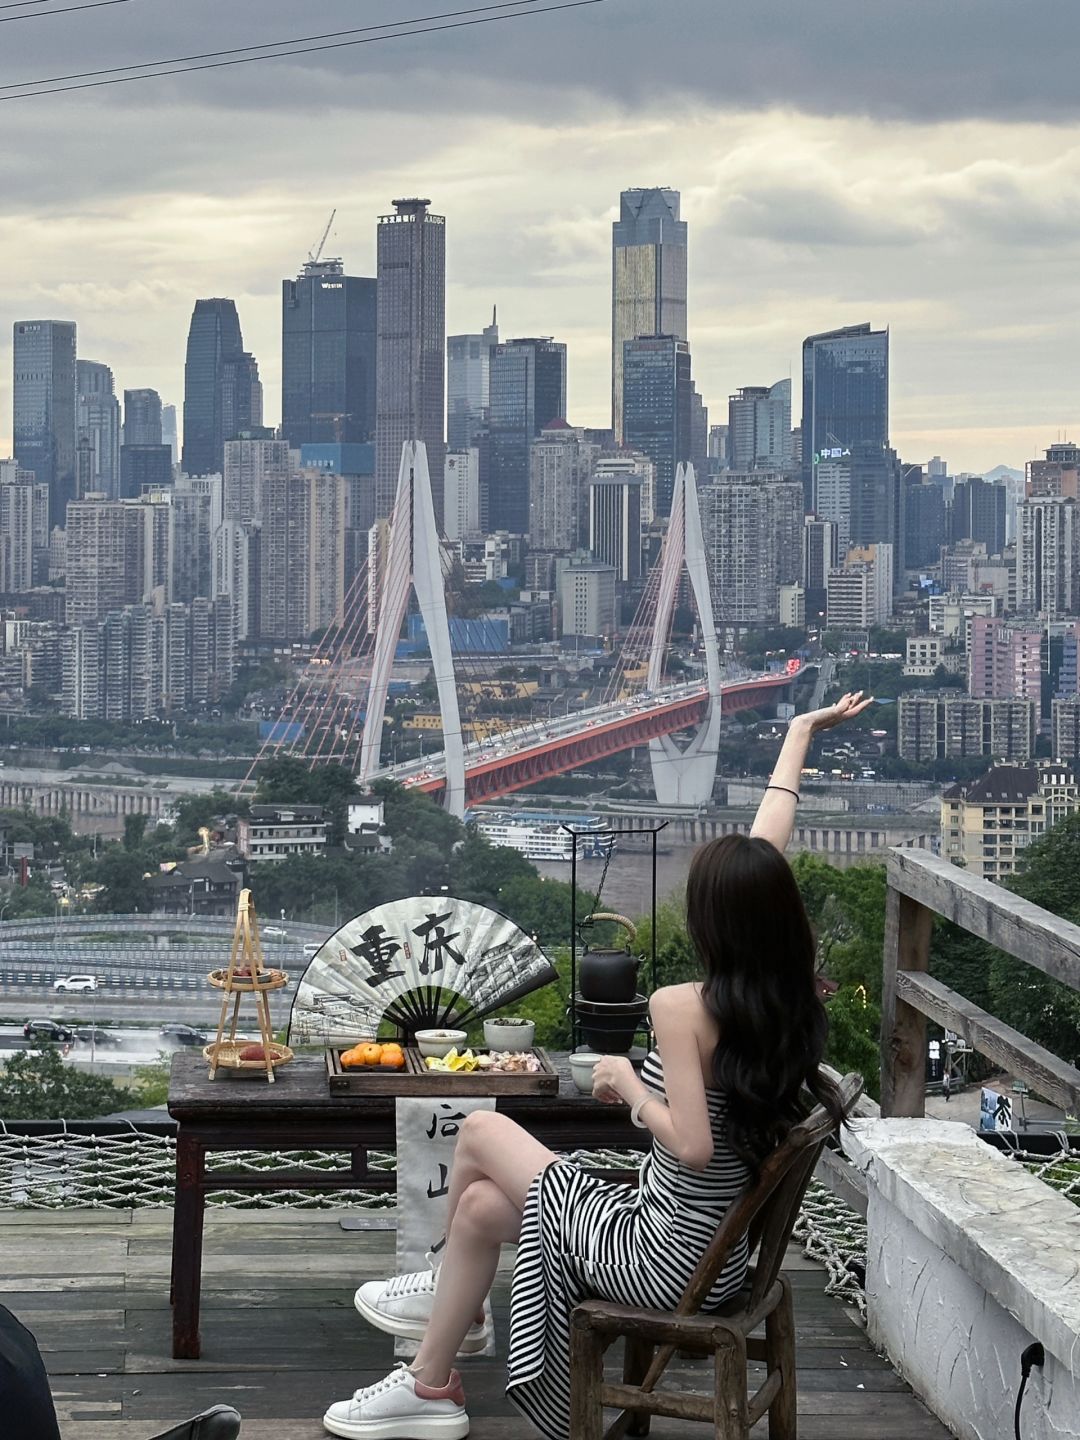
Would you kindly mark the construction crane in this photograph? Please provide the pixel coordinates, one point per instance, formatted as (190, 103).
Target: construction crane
(314, 258)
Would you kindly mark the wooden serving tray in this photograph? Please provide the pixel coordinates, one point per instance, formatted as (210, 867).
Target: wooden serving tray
(417, 1079)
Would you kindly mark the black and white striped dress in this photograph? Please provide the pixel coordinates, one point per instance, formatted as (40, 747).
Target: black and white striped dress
(583, 1237)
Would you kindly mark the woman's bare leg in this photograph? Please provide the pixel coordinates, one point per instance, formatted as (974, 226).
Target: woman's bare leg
(495, 1162)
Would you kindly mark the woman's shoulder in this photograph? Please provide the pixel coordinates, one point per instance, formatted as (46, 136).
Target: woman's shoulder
(678, 999)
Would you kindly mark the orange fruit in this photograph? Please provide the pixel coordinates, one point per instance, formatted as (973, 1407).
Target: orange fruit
(369, 1054)
(394, 1056)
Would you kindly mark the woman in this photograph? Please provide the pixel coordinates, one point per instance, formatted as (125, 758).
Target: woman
(718, 1093)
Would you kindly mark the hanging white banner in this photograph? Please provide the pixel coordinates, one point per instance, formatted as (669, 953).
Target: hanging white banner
(427, 1132)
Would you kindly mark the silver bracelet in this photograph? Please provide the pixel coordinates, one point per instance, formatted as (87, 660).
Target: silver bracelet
(635, 1113)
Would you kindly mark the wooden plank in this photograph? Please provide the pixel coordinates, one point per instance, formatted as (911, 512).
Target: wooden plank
(994, 914)
(1046, 1073)
(908, 928)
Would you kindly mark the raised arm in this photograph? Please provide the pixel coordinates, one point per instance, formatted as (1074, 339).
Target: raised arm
(775, 818)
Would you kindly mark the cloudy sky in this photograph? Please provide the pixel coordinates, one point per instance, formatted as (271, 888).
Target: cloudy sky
(916, 165)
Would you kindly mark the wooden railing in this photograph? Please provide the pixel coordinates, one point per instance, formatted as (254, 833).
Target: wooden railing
(920, 887)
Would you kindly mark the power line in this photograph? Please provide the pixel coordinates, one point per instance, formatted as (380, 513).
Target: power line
(283, 54)
(65, 10)
(269, 45)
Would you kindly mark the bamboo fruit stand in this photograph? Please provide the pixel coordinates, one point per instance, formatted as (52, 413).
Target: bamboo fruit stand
(246, 974)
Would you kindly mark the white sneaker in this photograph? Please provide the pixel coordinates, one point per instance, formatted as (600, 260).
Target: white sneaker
(402, 1306)
(401, 1408)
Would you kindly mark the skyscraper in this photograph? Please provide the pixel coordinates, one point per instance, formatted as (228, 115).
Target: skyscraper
(411, 346)
(978, 513)
(752, 523)
(142, 418)
(759, 427)
(250, 462)
(658, 408)
(45, 407)
(468, 371)
(648, 278)
(327, 356)
(560, 464)
(98, 418)
(222, 394)
(615, 518)
(168, 431)
(845, 396)
(1048, 558)
(528, 392)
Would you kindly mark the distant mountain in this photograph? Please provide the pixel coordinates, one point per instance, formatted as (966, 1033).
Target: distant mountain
(1004, 472)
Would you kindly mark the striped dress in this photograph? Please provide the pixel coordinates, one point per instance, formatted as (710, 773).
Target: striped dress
(583, 1237)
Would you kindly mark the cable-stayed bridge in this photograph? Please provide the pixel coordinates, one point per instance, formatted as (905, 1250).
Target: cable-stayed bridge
(337, 711)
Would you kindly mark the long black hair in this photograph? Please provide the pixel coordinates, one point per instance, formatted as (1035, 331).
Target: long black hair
(748, 924)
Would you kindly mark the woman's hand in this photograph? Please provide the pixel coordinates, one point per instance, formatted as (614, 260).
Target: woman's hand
(846, 708)
(610, 1076)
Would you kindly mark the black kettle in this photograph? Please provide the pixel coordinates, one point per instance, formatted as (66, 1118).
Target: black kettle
(609, 977)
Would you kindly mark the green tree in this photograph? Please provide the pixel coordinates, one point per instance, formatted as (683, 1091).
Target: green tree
(290, 781)
(126, 888)
(195, 812)
(41, 1087)
(134, 831)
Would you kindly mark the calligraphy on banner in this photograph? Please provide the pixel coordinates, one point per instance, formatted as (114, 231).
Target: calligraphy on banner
(427, 1132)
(428, 961)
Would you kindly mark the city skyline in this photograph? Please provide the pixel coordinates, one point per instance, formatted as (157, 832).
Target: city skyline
(907, 203)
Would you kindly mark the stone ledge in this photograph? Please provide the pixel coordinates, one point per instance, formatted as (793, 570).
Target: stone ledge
(1011, 1233)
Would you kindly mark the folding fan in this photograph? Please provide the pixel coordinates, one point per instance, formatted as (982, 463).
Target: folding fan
(426, 962)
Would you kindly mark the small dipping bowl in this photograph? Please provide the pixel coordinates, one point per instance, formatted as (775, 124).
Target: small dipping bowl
(581, 1068)
(435, 1044)
(501, 1035)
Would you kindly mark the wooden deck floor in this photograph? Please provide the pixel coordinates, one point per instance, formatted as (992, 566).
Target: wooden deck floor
(281, 1339)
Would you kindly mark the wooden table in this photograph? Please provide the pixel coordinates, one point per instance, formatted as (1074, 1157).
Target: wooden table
(298, 1112)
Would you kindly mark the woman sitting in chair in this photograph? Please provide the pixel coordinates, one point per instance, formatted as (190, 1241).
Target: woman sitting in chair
(719, 1092)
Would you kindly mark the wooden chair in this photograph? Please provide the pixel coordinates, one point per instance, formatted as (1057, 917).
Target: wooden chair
(765, 1212)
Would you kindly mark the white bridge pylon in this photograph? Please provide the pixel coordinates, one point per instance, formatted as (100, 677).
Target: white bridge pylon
(414, 562)
(685, 777)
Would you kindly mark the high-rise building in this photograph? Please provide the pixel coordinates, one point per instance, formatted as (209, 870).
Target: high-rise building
(197, 516)
(860, 590)
(222, 394)
(411, 346)
(1056, 477)
(236, 574)
(752, 523)
(877, 500)
(98, 419)
(461, 491)
(925, 529)
(109, 561)
(325, 504)
(845, 396)
(283, 556)
(1005, 662)
(45, 407)
(468, 369)
(615, 517)
(24, 504)
(834, 498)
(820, 551)
(586, 597)
(528, 392)
(327, 356)
(560, 463)
(978, 513)
(759, 427)
(143, 418)
(657, 408)
(250, 461)
(143, 466)
(648, 279)
(168, 431)
(941, 725)
(1048, 558)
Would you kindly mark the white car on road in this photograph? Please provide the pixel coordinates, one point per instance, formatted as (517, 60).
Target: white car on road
(76, 983)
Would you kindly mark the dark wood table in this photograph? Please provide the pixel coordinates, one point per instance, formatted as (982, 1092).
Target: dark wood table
(298, 1112)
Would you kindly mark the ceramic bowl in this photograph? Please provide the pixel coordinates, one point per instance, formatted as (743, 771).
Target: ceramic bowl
(581, 1068)
(500, 1035)
(437, 1043)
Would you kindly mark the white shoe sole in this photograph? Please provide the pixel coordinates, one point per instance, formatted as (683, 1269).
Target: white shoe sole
(402, 1427)
(475, 1341)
